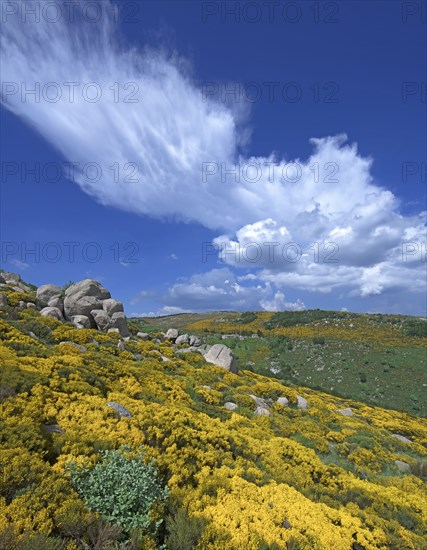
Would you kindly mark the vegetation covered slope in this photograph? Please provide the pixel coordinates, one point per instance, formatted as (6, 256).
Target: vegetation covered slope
(310, 479)
(376, 359)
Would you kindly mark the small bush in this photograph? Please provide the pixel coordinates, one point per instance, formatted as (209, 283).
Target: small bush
(15, 297)
(122, 488)
(183, 531)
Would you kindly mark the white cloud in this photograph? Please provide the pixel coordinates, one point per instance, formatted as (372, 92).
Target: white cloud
(18, 264)
(279, 303)
(165, 310)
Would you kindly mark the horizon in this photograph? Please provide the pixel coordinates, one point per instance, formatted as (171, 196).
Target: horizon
(191, 157)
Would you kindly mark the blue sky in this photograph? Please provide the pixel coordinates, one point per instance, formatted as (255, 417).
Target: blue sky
(189, 92)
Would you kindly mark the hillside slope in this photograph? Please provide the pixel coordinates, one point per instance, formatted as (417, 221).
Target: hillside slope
(377, 359)
(268, 474)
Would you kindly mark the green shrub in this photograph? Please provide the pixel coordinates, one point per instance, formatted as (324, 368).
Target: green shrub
(415, 328)
(246, 317)
(183, 531)
(122, 488)
(319, 340)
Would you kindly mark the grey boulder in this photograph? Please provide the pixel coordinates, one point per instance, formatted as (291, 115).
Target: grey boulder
(301, 402)
(3, 300)
(81, 321)
(121, 345)
(345, 412)
(122, 411)
(101, 319)
(183, 339)
(222, 356)
(195, 341)
(45, 293)
(118, 320)
(283, 401)
(172, 334)
(402, 466)
(56, 301)
(53, 312)
(74, 345)
(11, 278)
(401, 438)
(111, 306)
(82, 297)
(261, 406)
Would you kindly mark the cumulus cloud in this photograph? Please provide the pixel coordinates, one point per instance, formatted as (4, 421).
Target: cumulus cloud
(217, 289)
(279, 303)
(164, 149)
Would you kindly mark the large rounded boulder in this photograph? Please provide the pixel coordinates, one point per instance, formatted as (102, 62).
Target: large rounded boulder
(222, 356)
(83, 297)
(48, 293)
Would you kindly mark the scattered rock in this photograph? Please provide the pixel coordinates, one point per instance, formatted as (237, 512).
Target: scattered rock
(111, 306)
(183, 339)
(53, 312)
(114, 330)
(195, 341)
(122, 411)
(32, 335)
(81, 321)
(345, 412)
(17, 288)
(45, 293)
(172, 334)
(230, 406)
(222, 356)
(189, 350)
(22, 304)
(52, 429)
(3, 300)
(31, 305)
(101, 319)
(118, 320)
(23, 287)
(283, 401)
(401, 438)
(143, 335)
(2, 279)
(77, 346)
(286, 524)
(56, 301)
(121, 345)
(262, 407)
(301, 402)
(11, 278)
(402, 466)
